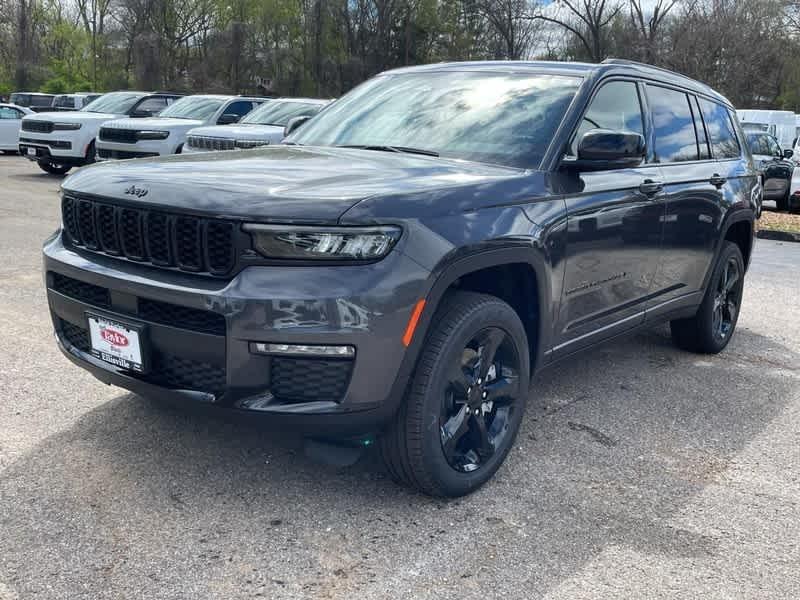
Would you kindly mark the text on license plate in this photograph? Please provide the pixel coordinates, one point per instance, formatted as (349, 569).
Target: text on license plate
(115, 343)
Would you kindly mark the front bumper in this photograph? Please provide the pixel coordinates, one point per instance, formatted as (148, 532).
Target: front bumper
(141, 149)
(199, 332)
(60, 151)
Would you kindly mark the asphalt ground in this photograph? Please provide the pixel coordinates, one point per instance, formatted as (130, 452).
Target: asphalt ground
(640, 471)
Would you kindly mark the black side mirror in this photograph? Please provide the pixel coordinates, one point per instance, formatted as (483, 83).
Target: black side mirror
(788, 153)
(227, 119)
(142, 114)
(603, 150)
(294, 123)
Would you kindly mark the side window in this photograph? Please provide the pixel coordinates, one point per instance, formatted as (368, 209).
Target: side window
(615, 106)
(6, 112)
(239, 108)
(700, 132)
(673, 125)
(774, 148)
(720, 130)
(153, 105)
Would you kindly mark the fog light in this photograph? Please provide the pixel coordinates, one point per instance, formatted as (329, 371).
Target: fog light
(302, 350)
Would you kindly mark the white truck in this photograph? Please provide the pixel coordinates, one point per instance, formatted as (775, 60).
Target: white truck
(166, 132)
(58, 141)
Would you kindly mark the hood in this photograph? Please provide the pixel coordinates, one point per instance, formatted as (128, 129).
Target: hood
(279, 183)
(157, 123)
(72, 116)
(241, 131)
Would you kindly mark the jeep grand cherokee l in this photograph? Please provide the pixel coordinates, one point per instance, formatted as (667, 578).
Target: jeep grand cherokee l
(420, 248)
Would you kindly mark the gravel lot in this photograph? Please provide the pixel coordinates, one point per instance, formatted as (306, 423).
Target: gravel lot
(640, 472)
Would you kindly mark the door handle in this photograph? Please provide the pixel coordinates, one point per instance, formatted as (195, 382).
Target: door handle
(650, 187)
(717, 180)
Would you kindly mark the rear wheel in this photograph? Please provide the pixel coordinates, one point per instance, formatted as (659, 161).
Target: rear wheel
(466, 400)
(710, 330)
(53, 168)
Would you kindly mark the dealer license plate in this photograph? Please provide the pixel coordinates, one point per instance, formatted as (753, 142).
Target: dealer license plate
(116, 342)
(31, 151)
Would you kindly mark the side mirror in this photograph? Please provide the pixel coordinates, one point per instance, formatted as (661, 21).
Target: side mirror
(142, 114)
(788, 153)
(294, 123)
(604, 150)
(227, 119)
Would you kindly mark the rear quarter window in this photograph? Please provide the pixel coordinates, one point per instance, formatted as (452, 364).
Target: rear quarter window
(720, 130)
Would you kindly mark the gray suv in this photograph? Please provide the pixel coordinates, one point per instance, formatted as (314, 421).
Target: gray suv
(401, 268)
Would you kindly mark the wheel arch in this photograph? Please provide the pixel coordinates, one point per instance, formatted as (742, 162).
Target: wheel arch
(529, 298)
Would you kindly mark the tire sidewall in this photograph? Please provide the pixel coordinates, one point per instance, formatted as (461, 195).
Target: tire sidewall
(452, 482)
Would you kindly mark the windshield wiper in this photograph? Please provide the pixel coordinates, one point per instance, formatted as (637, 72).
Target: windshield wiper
(380, 148)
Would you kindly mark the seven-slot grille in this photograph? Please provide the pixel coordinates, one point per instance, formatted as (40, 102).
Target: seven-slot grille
(122, 136)
(37, 126)
(162, 239)
(210, 143)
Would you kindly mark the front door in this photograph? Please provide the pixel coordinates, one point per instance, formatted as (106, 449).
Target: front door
(614, 227)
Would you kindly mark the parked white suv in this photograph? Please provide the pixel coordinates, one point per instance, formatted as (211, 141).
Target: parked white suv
(166, 133)
(261, 127)
(58, 141)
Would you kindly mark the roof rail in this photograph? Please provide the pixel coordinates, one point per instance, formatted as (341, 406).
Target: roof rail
(625, 61)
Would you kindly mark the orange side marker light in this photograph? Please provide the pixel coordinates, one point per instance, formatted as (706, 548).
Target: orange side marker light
(413, 321)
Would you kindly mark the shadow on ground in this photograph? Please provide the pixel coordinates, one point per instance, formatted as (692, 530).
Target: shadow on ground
(142, 500)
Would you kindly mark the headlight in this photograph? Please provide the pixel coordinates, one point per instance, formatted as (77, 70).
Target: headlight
(244, 144)
(152, 135)
(323, 243)
(66, 126)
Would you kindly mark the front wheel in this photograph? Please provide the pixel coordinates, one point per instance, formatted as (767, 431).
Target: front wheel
(710, 330)
(466, 399)
(53, 168)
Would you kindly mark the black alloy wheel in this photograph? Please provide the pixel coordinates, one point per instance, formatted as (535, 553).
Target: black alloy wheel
(479, 400)
(726, 300)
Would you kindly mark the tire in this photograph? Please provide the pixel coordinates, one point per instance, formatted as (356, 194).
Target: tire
(9, 152)
(707, 332)
(91, 154)
(438, 407)
(783, 203)
(53, 168)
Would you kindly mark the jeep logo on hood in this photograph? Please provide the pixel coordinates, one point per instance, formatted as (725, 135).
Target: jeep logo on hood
(137, 191)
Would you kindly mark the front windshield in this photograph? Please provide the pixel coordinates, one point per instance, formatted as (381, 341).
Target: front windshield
(279, 113)
(116, 103)
(500, 118)
(192, 107)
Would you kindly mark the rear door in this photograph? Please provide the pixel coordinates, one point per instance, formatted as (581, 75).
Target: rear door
(695, 186)
(614, 221)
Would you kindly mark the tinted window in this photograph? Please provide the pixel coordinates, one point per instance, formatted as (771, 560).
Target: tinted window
(64, 102)
(39, 101)
(720, 130)
(493, 117)
(615, 106)
(674, 125)
(757, 143)
(702, 139)
(239, 108)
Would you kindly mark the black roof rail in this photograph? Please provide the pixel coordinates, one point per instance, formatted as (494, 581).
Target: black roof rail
(634, 63)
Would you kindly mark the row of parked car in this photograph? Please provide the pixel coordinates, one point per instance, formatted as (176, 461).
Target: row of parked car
(129, 124)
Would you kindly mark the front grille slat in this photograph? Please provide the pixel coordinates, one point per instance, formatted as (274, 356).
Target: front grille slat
(165, 240)
(86, 224)
(121, 136)
(210, 143)
(37, 126)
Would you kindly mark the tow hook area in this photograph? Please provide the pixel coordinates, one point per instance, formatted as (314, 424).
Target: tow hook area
(336, 453)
